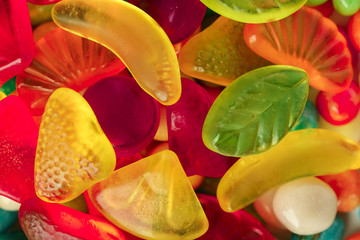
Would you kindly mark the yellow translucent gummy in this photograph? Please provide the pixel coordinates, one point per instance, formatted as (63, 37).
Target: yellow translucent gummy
(132, 35)
(308, 152)
(152, 199)
(72, 152)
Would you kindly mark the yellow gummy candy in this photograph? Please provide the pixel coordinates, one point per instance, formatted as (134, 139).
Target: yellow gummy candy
(72, 152)
(151, 198)
(132, 35)
(308, 152)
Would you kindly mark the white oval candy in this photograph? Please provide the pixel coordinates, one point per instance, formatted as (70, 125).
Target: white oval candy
(8, 204)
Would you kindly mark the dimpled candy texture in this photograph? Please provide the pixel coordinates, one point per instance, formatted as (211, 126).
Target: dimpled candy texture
(254, 11)
(219, 53)
(133, 36)
(185, 120)
(72, 153)
(63, 59)
(179, 19)
(128, 116)
(299, 154)
(151, 198)
(306, 40)
(239, 225)
(16, 40)
(18, 137)
(256, 111)
(51, 221)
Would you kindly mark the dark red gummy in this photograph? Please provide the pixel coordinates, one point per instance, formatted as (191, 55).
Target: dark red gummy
(18, 139)
(179, 19)
(128, 116)
(185, 120)
(16, 39)
(239, 225)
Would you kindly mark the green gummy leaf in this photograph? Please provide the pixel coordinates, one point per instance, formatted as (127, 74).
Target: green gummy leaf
(256, 111)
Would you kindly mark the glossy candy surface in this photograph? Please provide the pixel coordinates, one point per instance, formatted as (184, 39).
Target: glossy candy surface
(316, 46)
(73, 152)
(185, 120)
(179, 19)
(128, 116)
(63, 59)
(39, 13)
(132, 35)
(239, 225)
(353, 29)
(152, 199)
(219, 53)
(254, 11)
(18, 136)
(346, 7)
(52, 221)
(307, 152)
(308, 119)
(256, 111)
(16, 44)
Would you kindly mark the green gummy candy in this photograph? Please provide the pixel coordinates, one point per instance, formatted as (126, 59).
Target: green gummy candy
(256, 111)
(346, 7)
(314, 3)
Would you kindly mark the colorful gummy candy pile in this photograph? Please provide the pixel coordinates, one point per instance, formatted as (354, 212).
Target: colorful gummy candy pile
(191, 119)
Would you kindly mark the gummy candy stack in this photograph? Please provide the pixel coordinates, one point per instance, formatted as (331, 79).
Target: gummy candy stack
(164, 119)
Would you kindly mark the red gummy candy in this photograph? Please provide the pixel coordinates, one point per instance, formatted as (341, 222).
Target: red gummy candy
(326, 8)
(239, 225)
(185, 120)
(16, 40)
(18, 139)
(43, 2)
(353, 30)
(43, 220)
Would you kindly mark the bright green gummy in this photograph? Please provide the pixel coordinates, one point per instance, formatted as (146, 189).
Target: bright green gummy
(256, 111)
(314, 3)
(346, 7)
(254, 11)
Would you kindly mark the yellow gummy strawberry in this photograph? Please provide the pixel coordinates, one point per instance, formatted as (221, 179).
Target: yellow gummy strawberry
(72, 153)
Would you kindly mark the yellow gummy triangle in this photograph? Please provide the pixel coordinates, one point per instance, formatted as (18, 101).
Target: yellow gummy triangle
(72, 153)
(152, 199)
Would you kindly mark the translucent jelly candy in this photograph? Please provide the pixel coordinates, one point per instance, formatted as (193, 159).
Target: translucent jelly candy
(307, 152)
(316, 46)
(346, 7)
(39, 13)
(254, 11)
(128, 116)
(179, 19)
(308, 119)
(63, 59)
(42, 220)
(340, 108)
(72, 152)
(239, 225)
(185, 120)
(16, 41)
(132, 35)
(347, 188)
(256, 111)
(151, 198)
(18, 136)
(219, 54)
(353, 30)
(311, 202)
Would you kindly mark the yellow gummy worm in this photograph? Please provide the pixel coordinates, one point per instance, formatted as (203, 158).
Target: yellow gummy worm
(132, 35)
(308, 152)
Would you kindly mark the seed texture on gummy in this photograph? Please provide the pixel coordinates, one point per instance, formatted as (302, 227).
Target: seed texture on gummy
(307, 40)
(73, 152)
(219, 54)
(151, 198)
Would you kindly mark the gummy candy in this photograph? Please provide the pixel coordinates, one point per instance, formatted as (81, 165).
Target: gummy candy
(18, 136)
(219, 54)
(39, 13)
(43, 29)
(63, 59)
(179, 19)
(353, 29)
(308, 119)
(346, 7)
(8, 218)
(256, 111)
(152, 199)
(16, 44)
(43, 2)
(42, 220)
(254, 11)
(72, 151)
(299, 154)
(313, 3)
(132, 35)
(185, 120)
(316, 46)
